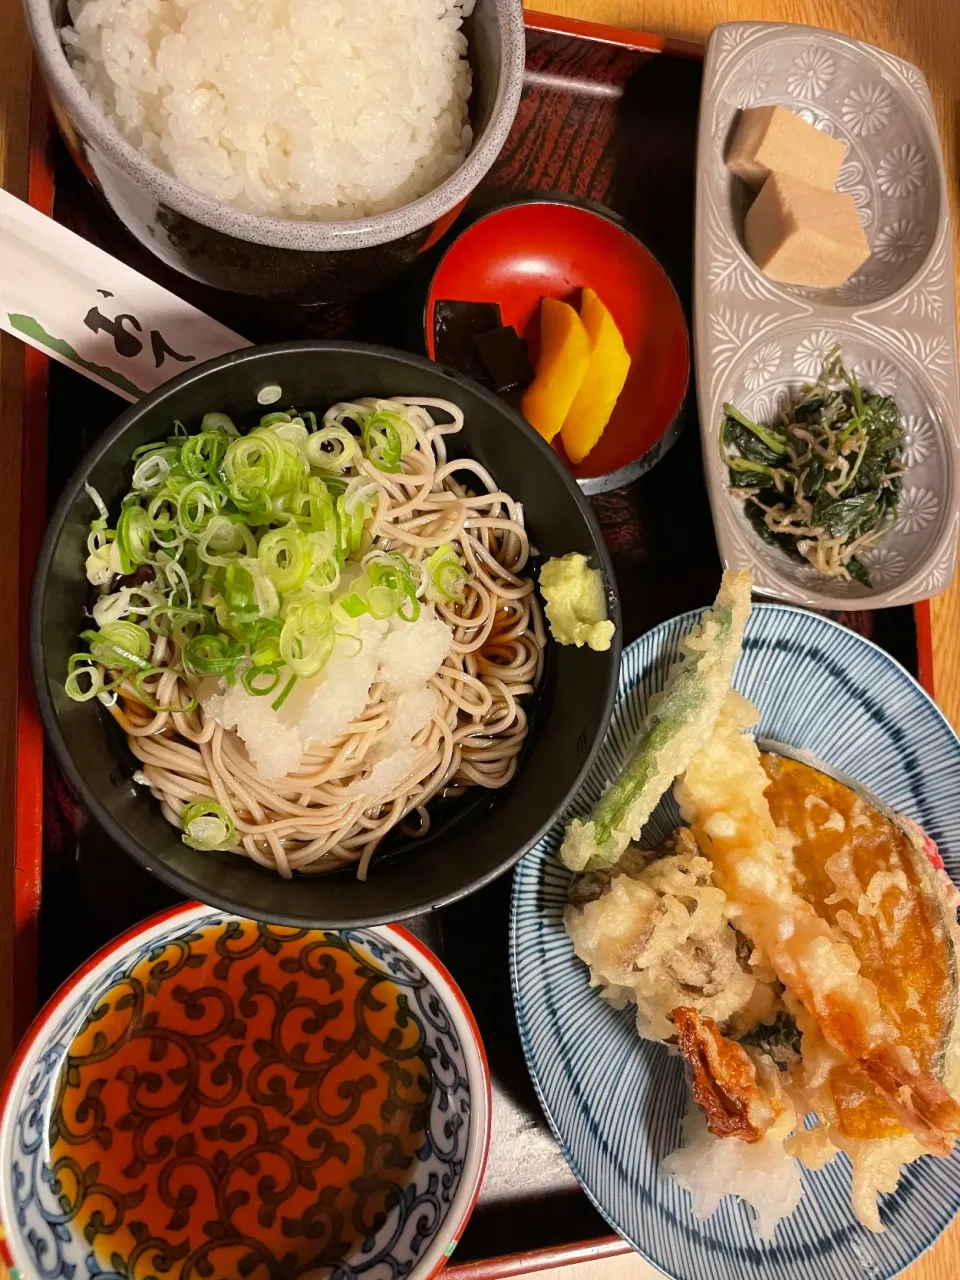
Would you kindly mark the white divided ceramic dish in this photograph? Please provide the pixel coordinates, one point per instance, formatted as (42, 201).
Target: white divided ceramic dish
(758, 342)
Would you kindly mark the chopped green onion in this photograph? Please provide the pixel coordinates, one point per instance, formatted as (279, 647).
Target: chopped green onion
(152, 470)
(189, 562)
(285, 693)
(313, 507)
(198, 502)
(331, 448)
(213, 655)
(292, 432)
(349, 529)
(253, 680)
(409, 610)
(98, 538)
(120, 644)
(387, 437)
(176, 576)
(383, 602)
(207, 826)
(391, 586)
(238, 595)
(103, 563)
(265, 594)
(153, 446)
(162, 519)
(359, 495)
(353, 605)
(307, 639)
(246, 538)
(286, 558)
(202, 455)
(117, 604)
(445, 576)
(98, 503)
(223, 539)
(133, 537)
(263, 637)
(181, 625)
(128, 635)
(354, 507)
(325, 575)
(75, 671)
(219, 422)
(259, 469)
(147, 698)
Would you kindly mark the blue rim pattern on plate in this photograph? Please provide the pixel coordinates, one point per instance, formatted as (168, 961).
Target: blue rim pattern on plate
(615, 1102)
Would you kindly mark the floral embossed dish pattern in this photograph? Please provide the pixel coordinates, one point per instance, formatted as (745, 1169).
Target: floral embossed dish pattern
(758, 341)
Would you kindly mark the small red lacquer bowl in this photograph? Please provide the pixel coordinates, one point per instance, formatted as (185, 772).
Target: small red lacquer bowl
(522, 253)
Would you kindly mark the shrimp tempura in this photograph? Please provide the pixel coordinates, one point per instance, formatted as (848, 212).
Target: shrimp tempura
(721, 796)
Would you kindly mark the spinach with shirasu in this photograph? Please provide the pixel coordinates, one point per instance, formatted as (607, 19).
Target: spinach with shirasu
(823, 484)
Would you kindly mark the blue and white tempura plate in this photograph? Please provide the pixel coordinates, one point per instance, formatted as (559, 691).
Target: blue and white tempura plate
(614, 1101)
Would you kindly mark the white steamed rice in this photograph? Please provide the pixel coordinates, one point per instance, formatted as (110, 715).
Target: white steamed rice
(292, 108)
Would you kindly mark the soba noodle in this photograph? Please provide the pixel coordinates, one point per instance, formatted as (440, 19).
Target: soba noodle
(320, 818)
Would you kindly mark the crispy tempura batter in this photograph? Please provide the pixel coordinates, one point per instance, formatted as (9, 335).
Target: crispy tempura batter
(721, 795)
(724, 1079)
(653, 932)
(678, 721)
(851, 936)
(875, 883)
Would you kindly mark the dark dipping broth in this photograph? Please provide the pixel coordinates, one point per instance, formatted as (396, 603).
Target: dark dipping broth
(246, 1102)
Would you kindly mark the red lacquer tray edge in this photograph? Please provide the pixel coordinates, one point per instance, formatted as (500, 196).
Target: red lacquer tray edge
(643, 41)
(29, 733)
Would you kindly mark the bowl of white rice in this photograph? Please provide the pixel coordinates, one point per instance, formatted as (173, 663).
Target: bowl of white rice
(304, 150)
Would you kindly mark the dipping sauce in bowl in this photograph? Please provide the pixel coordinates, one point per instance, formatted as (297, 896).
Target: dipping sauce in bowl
(228, 1098)
(162, 1089)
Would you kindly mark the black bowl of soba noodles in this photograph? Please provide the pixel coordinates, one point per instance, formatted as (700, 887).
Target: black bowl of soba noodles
(287, 642)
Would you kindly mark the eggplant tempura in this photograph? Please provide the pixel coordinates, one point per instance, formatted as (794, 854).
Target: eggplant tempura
(798, 944)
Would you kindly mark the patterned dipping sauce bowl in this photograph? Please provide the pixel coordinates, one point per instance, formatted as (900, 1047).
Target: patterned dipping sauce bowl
(209, 1096)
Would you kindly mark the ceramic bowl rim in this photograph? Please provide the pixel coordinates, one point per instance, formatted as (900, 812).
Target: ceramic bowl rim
(181, 881)
(671, 432)
(83, 978)
(304, 235)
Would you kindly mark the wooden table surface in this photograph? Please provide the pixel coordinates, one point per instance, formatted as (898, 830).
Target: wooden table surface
(927, 32)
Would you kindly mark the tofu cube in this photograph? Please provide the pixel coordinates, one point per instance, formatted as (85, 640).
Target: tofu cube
(800, 234)
(774, 140)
